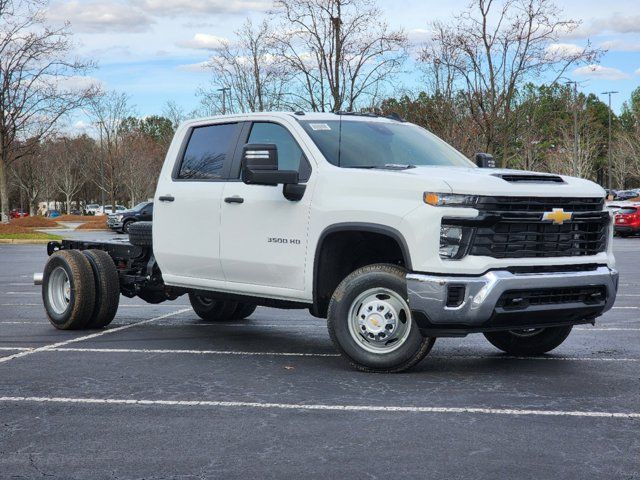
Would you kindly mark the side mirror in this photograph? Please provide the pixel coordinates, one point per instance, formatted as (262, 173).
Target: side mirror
(260, 166)
(485, 160)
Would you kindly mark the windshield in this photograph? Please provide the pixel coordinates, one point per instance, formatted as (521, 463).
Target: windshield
(374, 144)
(140, 206)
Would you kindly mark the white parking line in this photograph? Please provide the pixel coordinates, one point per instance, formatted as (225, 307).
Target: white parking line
(323, 407)
(14, 349)
(194, 352)
(611, 329)
(626, 308)
(88, 337)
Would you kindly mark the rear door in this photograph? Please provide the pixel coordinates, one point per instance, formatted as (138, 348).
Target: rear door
(187, 206)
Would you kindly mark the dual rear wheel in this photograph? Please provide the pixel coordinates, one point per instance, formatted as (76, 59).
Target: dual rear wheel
(80, 289)
(213, 310)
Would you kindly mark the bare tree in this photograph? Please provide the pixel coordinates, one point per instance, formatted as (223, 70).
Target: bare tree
(109, 112)
(340, 51)
(26, 175)
(175, 113)
(39, 82)
(494, 46)
(248, 69)
(70, 159)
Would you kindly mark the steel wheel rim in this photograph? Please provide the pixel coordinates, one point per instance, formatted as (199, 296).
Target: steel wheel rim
(379, 320)
(59, 290)
(205, 301)
(526, 333)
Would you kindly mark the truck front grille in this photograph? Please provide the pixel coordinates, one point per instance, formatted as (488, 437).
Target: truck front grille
(539, 204)
(514, 237)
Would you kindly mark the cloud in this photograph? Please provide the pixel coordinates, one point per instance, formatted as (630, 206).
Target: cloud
(100, 16)
(203, 41)
(600, 72)
(181, 7)
(621, 46)
(637, 72)
(615, 23)
(419, 36)
(563, 50)
(199, 67)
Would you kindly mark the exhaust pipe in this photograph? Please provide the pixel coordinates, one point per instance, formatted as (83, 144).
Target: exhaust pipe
(37, 278)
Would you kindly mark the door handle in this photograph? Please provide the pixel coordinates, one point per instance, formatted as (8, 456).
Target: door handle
(166, 198)
(234, 199)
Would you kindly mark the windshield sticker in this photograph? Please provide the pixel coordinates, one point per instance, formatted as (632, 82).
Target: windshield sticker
(319, 126)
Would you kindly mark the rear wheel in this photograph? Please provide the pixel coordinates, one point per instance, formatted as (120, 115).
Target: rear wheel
(107, 285)
(68, 290)
(126, 225)
(244, 310)
(370, 321)
(210, 309)
(532, 341)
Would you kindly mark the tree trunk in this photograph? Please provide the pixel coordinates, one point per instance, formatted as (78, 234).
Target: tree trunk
(4, 192)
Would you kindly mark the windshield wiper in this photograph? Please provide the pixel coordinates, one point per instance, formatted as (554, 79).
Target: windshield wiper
(386, 166)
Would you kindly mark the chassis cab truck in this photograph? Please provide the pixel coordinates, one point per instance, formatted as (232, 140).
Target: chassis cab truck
(373, 223)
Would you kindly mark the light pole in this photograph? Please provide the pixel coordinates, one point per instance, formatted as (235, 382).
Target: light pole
(224, 91)
(609, 160)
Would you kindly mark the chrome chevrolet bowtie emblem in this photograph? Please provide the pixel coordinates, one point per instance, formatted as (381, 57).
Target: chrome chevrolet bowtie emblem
(558, 216)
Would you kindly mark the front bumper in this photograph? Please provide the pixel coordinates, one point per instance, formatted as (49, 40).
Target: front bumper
(480, 311)
(114, 223)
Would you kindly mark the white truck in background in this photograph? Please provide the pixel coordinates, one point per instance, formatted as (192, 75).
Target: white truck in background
(371, 222)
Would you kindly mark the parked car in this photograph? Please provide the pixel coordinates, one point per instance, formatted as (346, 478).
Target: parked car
(120, 222)
(91, 208)
(18, 213)
(52, 213)
(322, 211)
(108, 209)
(627, 220)
(627, 195)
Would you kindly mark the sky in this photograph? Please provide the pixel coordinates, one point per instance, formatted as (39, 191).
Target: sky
(154, 49)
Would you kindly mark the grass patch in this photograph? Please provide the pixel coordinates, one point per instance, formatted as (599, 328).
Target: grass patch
(29, 236)
(34, 222)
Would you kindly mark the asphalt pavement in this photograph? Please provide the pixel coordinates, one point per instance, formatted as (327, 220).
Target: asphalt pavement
(162, 394)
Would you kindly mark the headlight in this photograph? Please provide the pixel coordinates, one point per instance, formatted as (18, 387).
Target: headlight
(450, 199)
(454, 241)
(119, 218)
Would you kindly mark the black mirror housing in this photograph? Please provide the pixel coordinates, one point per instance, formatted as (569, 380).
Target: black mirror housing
(260, 166)
(485, 160)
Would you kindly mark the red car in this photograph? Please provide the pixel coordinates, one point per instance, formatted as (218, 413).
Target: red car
(18, 213)
(628, 221)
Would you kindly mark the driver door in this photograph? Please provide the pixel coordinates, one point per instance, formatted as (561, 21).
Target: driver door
(263, 239)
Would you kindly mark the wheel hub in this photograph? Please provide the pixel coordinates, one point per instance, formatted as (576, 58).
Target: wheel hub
(379, 320)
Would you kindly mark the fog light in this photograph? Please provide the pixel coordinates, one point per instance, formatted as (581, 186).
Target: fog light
(452, 241)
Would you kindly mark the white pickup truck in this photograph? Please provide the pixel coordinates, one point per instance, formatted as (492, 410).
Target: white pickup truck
(371, 222)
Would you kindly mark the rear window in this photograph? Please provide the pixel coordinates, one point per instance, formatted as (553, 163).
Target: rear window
(206, 153)
(628, 210)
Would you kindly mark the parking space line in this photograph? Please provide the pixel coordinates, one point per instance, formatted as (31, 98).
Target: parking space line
(14, 349)
(625, 308)
(90, 336)
(607, 329)
(324, 407)
(313, 354)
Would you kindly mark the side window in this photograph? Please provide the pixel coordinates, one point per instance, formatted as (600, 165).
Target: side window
(290, 156)
(207, 151)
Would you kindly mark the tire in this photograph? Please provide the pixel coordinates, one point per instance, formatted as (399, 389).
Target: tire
(140, 234)
(534, 342)
(212, 310)
(360, 337)
(244, 310)
(126, 225)
(68, 290)
(107, 286)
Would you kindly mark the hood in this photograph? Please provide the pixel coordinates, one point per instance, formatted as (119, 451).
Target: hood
(507, 182)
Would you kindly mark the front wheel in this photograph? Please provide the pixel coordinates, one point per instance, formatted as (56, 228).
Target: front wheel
(370, 322)
(210, 309)
(532, 341)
